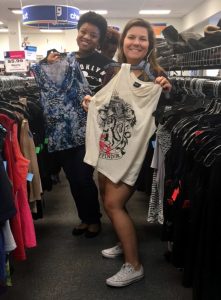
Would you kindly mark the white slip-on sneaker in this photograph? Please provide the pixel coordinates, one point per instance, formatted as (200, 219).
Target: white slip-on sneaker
(125, 276)
(112, 252)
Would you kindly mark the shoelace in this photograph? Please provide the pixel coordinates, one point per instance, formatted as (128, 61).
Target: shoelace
(118, 247)
(125, 269)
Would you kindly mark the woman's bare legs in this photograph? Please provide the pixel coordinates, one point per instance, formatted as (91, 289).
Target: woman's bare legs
(114, 197)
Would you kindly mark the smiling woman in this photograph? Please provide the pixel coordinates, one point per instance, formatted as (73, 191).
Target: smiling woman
(136, 44)
(69, 154)
(119, 126)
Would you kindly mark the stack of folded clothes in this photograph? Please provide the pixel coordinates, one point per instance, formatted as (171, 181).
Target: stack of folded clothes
(191, 41)
(212, 38)
(179, 43)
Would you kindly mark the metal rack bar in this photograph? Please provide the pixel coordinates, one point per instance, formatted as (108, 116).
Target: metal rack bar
(209, 58)
(15, 82)
(197, 86)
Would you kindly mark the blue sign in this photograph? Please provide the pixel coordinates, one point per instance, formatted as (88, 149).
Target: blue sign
(30, 52)
(50, 16)
(31, 48)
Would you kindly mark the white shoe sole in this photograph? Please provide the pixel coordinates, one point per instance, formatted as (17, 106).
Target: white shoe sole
(124, 283)
(107, 255)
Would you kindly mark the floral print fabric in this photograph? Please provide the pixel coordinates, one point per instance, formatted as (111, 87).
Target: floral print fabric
(62, 88)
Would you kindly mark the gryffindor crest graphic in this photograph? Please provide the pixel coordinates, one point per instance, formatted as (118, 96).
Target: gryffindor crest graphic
(117, 118)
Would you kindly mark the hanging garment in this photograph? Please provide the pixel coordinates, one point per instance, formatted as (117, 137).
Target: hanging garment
(163, 144)
(63, 87)
(17, 168)
(9, 241)
(28, 150)
(119, 126)
(7, 207)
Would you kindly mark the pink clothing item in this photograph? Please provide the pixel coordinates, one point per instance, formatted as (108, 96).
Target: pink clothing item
(17, 167)
(22, 165)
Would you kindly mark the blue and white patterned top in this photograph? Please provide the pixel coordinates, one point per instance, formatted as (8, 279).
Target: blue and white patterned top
(62, 88)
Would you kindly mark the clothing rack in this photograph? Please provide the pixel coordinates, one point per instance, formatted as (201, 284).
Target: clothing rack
(209, 58)
(15, 82)
(197, 86)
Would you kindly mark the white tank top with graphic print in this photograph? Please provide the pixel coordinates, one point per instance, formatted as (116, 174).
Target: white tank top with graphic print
(119, 126)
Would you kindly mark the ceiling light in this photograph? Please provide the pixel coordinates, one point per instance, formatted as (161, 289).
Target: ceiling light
(4, 30)
(16, 11)
(51, 30)
(154, 12)
(99, 11)
(1, 23)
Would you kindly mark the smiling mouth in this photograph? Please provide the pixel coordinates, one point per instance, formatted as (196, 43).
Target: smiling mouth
(135, 50)
(84, 43)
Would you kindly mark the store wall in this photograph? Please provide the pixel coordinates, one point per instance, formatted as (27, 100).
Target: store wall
(4, 44)
(169, 21)
(66, 41)
(45, 41)
(201, 13)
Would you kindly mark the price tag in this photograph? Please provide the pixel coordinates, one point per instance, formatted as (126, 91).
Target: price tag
(154, 144)
(15, 62)
(23, 100)
(5, 164)
(17, 65)
(30, 177)
(37, 150)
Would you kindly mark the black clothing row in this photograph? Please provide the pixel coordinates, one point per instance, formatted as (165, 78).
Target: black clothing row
(192, 197)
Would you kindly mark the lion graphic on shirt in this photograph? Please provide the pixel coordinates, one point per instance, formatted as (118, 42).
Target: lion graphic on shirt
(117, 119)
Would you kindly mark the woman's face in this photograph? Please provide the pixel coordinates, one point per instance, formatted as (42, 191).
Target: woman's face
(136, 44)
(88, 38)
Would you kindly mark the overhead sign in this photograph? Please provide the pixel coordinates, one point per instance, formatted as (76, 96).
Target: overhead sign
(50, 16)
(30, 52)
(15, 62)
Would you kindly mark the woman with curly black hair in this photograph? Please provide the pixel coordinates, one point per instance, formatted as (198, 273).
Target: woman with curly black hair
(92, 29)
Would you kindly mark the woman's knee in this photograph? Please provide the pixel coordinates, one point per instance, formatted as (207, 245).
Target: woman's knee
(110, 206)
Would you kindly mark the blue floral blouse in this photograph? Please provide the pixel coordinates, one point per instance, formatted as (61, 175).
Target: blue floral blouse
(62, 88)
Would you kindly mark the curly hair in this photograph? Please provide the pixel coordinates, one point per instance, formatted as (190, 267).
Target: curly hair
(151, 37)
(112, 37)
(95, 19)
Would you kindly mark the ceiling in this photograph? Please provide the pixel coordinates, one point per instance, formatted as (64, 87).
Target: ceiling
(116, 8)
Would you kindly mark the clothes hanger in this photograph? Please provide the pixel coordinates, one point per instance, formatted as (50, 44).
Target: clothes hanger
(9, 113)
(7, 105)
(207, 144)
(198, 137)
(212, 156)
(15, 107)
